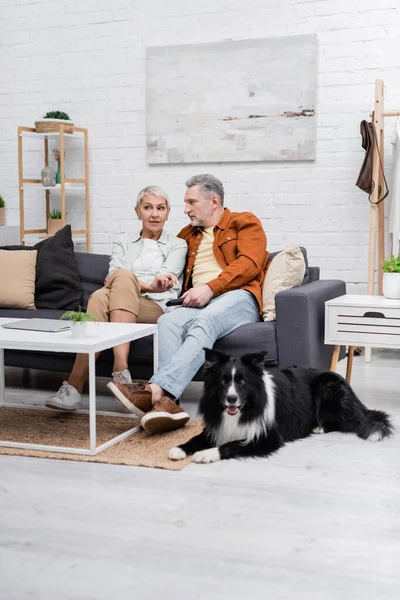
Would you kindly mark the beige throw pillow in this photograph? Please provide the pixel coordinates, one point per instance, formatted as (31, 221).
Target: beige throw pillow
(287, 270)
(17, 278)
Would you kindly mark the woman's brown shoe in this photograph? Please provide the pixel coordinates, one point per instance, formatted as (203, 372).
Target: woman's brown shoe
(165, 416)
(136, 396)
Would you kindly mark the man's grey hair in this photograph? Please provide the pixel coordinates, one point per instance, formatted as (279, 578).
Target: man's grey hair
(152, 190)
(209, 185)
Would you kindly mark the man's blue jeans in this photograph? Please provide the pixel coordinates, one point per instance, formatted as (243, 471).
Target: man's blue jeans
(184, 332)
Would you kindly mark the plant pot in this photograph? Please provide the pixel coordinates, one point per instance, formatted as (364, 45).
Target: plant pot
(54, 225)
(2, 215)
(391, 285)
(79, 329)
(53, 126)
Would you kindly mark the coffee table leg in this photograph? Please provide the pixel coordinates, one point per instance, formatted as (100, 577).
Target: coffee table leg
(92, 402)
(2, 402)
(155, 351)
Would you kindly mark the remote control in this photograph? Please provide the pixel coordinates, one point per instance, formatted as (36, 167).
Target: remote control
(176, 302)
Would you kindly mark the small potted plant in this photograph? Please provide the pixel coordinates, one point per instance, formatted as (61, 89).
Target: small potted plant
(54, 222)
(391, 277)
(1, 210)
(51, 122)
(79, 320)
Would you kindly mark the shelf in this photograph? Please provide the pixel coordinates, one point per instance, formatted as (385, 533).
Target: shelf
(67, 186)
(70, 185)
(52, 134)
(36, 237)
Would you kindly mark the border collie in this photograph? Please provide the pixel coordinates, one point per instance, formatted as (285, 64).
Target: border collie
(249, 410)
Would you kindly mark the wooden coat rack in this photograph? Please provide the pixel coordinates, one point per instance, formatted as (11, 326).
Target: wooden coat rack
(377, 211)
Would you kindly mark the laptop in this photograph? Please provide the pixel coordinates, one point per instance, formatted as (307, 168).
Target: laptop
(48, 325)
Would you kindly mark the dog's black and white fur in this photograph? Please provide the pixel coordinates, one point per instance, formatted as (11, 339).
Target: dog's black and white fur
(249, 410)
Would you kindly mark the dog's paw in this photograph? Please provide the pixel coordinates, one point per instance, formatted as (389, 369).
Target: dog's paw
(177, 454)
(207, 456)
(318, 430)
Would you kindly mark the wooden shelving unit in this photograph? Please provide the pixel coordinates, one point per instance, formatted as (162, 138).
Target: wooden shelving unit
(65, 185)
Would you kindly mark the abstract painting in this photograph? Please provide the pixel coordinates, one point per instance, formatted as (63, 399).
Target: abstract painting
(249, 100)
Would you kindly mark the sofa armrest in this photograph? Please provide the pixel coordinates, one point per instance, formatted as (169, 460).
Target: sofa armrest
(300, 323)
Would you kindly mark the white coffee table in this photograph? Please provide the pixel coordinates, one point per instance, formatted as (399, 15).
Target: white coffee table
(100, 336)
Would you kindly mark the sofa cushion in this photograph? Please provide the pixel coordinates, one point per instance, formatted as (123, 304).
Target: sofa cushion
(17, 274)
(93, 269)
(286, 271)
(57, 284)
(304, 253)
(252, 337)
(18, 313)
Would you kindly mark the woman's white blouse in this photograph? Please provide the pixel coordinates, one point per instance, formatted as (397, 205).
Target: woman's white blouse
(148, 258)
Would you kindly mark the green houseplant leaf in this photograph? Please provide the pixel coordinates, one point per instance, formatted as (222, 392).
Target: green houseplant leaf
(391, 265)
(55, 214)
(78, 316)
(2, 203)
(57, 114)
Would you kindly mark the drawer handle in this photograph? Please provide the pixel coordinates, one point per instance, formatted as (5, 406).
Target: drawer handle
(374, 315)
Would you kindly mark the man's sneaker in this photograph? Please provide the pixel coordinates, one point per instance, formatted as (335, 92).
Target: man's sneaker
(136, 397)
(165, 416)
(122, 377)
(67, 398)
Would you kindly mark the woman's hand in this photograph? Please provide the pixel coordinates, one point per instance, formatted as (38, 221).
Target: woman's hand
(107, 279)
(163, 283)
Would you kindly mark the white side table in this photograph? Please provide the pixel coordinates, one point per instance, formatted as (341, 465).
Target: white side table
(356, 320)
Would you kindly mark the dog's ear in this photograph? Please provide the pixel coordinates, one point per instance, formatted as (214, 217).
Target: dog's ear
(256, 359)
(213, 359)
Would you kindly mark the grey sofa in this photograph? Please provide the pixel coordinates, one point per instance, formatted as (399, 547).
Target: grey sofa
(295, 338)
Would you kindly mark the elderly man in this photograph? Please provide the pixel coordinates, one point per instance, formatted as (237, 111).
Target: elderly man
(222, 290)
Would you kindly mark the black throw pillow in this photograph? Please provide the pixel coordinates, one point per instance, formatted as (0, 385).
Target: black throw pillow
(57, 284)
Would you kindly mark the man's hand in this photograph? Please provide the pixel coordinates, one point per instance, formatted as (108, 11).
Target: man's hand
(163, 283)
(198, 296)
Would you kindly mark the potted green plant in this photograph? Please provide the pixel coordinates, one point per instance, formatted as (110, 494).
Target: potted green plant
(52, 121)
(54, 222)
(79, 320)
(391, 277)
(1, 210)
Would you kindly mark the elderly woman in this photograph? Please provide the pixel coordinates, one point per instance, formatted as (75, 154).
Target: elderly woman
(145, 272)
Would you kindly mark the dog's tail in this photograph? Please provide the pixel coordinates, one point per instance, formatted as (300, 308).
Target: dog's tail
(375, 426)
(341, 409)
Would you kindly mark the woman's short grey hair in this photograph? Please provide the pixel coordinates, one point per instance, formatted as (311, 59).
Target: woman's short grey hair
(152, 190)
(209, 185)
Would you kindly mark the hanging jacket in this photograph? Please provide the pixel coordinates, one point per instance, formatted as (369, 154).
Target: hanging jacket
(365, 179)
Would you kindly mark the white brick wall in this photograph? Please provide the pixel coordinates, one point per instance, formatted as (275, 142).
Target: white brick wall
(88, 58)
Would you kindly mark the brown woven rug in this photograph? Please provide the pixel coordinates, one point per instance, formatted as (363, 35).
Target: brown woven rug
(63, 429)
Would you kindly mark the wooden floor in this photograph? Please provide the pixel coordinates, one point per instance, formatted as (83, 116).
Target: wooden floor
(318, 521)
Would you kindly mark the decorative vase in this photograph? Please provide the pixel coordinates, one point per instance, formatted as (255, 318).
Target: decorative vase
(78, 329)
(2, 215)
(58, 174)
(48, 176)
(391, 285)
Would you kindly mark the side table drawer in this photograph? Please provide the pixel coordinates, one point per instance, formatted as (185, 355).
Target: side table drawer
(358, 325)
